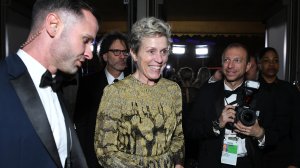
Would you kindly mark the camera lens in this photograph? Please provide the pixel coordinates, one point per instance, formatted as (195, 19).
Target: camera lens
(247, 117)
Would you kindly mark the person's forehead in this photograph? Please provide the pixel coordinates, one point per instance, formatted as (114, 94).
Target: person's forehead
(88, 21)
(235, 52)
(270, 54)
(118, 42)
(153, 39)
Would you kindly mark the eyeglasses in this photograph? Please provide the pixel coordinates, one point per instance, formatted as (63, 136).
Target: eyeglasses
(117, 52)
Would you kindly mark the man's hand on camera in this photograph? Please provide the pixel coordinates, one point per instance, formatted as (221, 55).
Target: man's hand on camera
(255, 130)
(228, 115)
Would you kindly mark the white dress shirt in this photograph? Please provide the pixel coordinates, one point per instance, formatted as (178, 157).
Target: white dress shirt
(50, 102)
(242, 151)
(110, 78)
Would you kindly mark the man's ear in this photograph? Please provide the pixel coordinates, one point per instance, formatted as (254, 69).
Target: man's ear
(104, 56)
(52, 24)
(248, 66)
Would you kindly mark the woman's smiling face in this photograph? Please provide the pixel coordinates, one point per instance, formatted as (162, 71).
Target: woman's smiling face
(151, 58)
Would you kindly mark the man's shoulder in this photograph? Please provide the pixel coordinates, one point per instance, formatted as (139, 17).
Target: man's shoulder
(94, 77)
(287, 88)
(13, 66)
(212, 87)
(210, 91)
(284, 83)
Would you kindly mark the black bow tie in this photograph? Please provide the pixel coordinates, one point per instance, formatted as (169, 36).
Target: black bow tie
(54, 82)
(228, 93)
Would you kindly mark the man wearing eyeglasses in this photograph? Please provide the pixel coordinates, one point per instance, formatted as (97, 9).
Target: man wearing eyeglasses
(114, 52)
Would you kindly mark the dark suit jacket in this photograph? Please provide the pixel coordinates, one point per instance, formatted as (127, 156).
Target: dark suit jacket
(287, 150)
(207, 108)
(26, 137)
(89, 94)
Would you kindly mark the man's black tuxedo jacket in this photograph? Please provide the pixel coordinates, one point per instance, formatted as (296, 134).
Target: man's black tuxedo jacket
(26, 137)
(89, 94)
(207, 108)
(90, 91)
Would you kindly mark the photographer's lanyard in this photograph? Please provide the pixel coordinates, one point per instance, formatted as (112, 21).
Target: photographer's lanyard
(230, 150)
(233, 146)
(230, 142)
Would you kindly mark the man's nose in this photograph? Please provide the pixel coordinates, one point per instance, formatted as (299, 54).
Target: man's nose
(88, 54)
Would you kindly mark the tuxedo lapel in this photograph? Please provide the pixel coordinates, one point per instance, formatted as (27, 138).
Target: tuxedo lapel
(219, 104)
(74, 148)
(32, 104)
(101, 80)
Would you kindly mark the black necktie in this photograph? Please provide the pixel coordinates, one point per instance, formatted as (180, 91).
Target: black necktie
(116, 80)
(48, 80)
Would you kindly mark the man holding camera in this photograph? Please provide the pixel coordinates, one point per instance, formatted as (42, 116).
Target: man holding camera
(227, 137)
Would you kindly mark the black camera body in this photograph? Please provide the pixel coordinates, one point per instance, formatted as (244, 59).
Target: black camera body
(244, 112)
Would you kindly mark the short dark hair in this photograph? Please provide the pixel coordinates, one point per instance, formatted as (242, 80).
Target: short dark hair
(265, 50)
(43, 7)
(236, 45)
(109, 38)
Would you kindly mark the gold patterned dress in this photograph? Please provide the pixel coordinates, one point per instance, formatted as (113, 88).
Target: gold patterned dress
(140, 125)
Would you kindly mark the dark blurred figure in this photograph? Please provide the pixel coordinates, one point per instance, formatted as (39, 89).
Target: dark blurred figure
(185, 81)
(185, 77)
(287, 152)
(252, 73)
(114, 51)
(217, 75)
(202, 77)
(170, 73)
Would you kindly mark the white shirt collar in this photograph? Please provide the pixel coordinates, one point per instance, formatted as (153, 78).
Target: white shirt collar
(226, 87)
(110, 78)
(34, 68)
